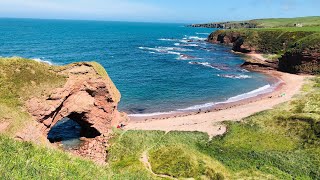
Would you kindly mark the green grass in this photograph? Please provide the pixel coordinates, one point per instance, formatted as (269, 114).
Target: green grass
(293, 29)
(21, 79)
(21, 160)
(288, 22)
(308, 23)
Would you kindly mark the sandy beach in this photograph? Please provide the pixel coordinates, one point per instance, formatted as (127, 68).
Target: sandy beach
(209, 121)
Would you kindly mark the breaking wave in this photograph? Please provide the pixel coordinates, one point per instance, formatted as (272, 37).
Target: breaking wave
(187, 57)
(206, 64)
(234, 76)
(202, 33)
(42, 61)
(262, 90)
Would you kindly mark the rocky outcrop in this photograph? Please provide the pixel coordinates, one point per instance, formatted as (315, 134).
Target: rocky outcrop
(300, 50)
(233, 39)
(254, 64)
(307, 61)
(88, 97)
(227, 25)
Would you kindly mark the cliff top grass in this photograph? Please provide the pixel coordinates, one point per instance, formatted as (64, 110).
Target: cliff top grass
(287, 22)
(21, 79)
(305, 22)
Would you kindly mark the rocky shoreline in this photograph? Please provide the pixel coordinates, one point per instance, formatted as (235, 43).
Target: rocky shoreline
(227, 25)
(294, 58)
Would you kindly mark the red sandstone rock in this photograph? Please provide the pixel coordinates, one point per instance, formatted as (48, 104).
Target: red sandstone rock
(88, 98)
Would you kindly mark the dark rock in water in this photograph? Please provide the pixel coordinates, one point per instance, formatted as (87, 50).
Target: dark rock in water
(137, 110)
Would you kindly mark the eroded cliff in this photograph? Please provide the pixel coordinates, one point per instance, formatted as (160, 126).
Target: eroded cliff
(86, 97)
(34, 96)
(298, 50)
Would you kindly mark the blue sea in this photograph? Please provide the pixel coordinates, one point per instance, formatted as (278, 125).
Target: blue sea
(157, 67)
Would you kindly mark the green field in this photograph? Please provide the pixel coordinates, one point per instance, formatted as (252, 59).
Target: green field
(300, 22)
(283, 143)
(287, 22)
(293, 29)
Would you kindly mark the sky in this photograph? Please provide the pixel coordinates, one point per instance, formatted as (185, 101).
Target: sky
(184, 11)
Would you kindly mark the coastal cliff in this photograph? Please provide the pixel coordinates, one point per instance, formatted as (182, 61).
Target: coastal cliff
(227, 25)
(35, 96)
(297, 51)
(264, 23)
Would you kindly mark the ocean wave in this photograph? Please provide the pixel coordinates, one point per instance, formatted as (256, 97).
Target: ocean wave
(165, 49)
(259, 91)
(42, 61)
(206, 64)
(197, 38)
(203, 33)
(152, 114)
(167, 39)
(262, 90)
(185, 41)
(186, 44)
(244, 70)
(234, 76)
(173, 52)
(187, 57)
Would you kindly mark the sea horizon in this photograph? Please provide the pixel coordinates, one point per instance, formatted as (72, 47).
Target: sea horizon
(103, 20)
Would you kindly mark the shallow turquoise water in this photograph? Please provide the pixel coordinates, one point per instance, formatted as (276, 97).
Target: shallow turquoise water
(156, 67)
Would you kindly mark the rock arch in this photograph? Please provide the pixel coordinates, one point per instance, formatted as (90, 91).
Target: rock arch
(86, 97)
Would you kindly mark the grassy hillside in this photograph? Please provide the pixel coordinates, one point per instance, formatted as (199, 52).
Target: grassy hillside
(283, 143)
(287, 22)
(21, 79)
(310, 21)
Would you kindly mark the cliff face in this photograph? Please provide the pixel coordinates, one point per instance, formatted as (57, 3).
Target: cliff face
(300, 52)
(89, 99)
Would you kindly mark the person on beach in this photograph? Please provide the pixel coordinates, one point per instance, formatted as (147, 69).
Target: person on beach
(120, 126)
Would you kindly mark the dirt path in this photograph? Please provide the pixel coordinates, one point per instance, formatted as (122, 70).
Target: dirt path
(145, 160)
(4, 126)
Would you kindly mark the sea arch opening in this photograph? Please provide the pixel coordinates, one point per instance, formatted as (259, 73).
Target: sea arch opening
(70, 130)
